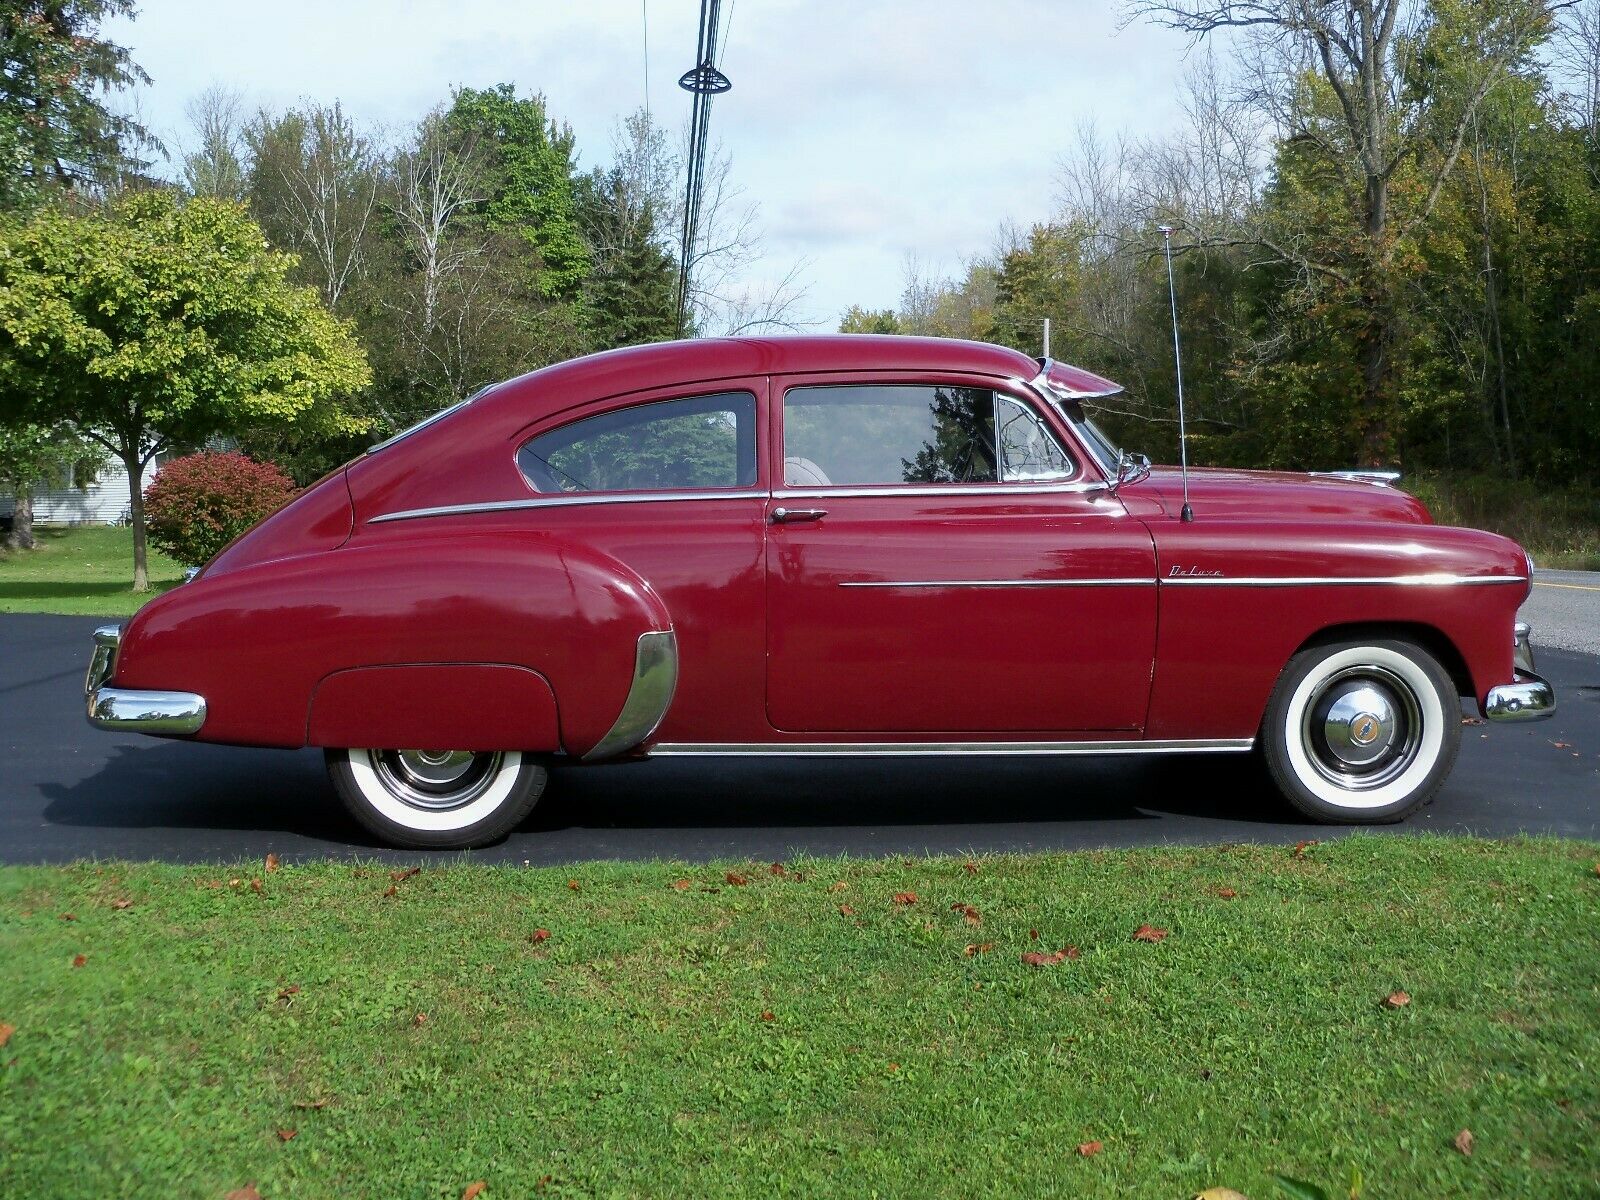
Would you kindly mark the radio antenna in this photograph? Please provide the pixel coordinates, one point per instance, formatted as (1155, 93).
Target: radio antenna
(1186, 513)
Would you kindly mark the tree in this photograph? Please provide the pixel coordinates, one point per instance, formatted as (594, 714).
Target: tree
(1348, 82)
(216, 164)
(56, 132)
(34, 454)
(861, 320)
(152, 324)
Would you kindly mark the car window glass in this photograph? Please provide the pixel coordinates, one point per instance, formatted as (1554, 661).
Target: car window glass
(874, 434)
(1028, 451)
(697, 443)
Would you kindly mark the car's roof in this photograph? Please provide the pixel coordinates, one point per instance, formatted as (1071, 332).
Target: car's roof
(667, 363)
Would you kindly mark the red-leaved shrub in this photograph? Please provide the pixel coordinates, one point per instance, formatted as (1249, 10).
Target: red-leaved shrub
(199, 503)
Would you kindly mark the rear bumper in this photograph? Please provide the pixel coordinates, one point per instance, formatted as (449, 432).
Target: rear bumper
(127, 710)
(1529, 697)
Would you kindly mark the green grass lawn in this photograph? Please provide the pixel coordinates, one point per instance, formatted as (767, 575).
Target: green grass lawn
(335, 1030)
(86, 569)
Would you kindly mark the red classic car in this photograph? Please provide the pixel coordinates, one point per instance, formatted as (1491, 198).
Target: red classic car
(821, 546)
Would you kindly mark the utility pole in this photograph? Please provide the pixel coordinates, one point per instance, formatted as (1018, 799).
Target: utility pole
(1047, 337)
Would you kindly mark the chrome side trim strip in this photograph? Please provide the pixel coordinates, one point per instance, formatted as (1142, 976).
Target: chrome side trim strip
(655, 678)
(1337, 581)
(925, 749)
(945, 489)
(567, 500)
(164, 714)
(999, 583)
(1356, 475)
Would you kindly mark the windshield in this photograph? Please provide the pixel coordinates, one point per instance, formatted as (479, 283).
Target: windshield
(1106, 452)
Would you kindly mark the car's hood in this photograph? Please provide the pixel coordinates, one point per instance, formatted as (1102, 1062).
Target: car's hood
(1217, 492)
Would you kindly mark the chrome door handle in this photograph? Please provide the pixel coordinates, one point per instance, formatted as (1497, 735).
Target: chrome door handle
(783, 516)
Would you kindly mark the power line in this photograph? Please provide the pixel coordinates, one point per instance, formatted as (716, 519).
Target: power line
(703, 81)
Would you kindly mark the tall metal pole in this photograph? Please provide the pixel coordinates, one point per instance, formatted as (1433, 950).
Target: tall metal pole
(1047, 337)
(1186, 513)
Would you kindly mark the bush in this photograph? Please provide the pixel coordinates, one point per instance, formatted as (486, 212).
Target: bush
(201, 502)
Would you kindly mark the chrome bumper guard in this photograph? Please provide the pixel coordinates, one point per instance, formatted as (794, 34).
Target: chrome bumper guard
(165, 714)
(1530, 698)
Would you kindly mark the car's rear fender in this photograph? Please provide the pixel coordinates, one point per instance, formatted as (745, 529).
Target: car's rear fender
(447, 631)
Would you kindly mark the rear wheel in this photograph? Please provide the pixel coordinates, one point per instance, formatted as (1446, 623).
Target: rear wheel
(437, 799)
(1361, 732)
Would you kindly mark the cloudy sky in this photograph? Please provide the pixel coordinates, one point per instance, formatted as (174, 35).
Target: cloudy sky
(866, 130)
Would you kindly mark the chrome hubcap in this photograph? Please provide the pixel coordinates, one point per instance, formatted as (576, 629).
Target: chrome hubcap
(435, 779)
(1362, 727)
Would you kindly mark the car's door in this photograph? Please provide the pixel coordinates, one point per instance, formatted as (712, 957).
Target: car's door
(941, 559)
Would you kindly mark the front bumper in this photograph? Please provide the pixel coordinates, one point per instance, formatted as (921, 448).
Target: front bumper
(126, 710)
(1529, 698)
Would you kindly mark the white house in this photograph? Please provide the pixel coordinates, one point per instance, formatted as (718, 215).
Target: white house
(103, 502)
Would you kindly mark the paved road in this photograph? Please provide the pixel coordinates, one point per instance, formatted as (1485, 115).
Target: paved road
(67, 791)
(1564, 610)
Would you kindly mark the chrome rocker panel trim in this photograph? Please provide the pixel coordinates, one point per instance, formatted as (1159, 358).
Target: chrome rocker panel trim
(127, 710)
(655, 679)
(932, 749)
(997, 583)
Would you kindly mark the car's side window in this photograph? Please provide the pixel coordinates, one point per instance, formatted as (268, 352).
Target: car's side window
(914, 434)
(703, 442)
(866, 434)
(1029, 452)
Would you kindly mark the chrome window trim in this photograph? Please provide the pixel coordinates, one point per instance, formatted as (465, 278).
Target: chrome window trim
(933, 490)
(569, 500)
(655, 680)
(1437, 580)
(922, 749)
(999, 583)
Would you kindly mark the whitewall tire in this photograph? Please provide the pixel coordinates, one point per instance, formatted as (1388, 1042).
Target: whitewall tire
(437, 799)
(1361, 732)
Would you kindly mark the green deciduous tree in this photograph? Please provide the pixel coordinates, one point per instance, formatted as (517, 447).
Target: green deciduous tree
(153, 323)
(32, 455)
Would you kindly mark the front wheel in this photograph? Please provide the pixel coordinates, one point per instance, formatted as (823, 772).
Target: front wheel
(1361, 732)
(437, 799)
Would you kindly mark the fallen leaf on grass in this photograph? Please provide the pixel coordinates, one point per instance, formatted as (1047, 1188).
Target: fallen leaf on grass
(247, 1192)
(391, 890)
(5, 1033)
(1300, 848)
(539, 935)
(894, 1066)
(321, 1102)
(402, 876)
(1148, 933)
(734, 879)
(120, 903)
(1071, 952)
(79, 960)
(272, 865)
(779, 869)
(292, 990)
(1226, 893)
(474, 1190)
(1397, 1000)
(420, 1019)
(978, 948)
(1033, 935)
(846, 911)
(1035, 959)
(288, 1135)
(971, 868)
(767, 1015)
(1220, 1193)
(572, 885)
(69, 916)
(905, 898)
(972, 916)
(255, 886)
(681, 885)
(1464, 1142)
(841, 885)
(1089, 1149)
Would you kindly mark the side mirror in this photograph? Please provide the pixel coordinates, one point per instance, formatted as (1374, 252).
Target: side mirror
(1131, 468)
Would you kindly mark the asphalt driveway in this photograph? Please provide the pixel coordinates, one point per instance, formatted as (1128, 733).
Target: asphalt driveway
(67, 791)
